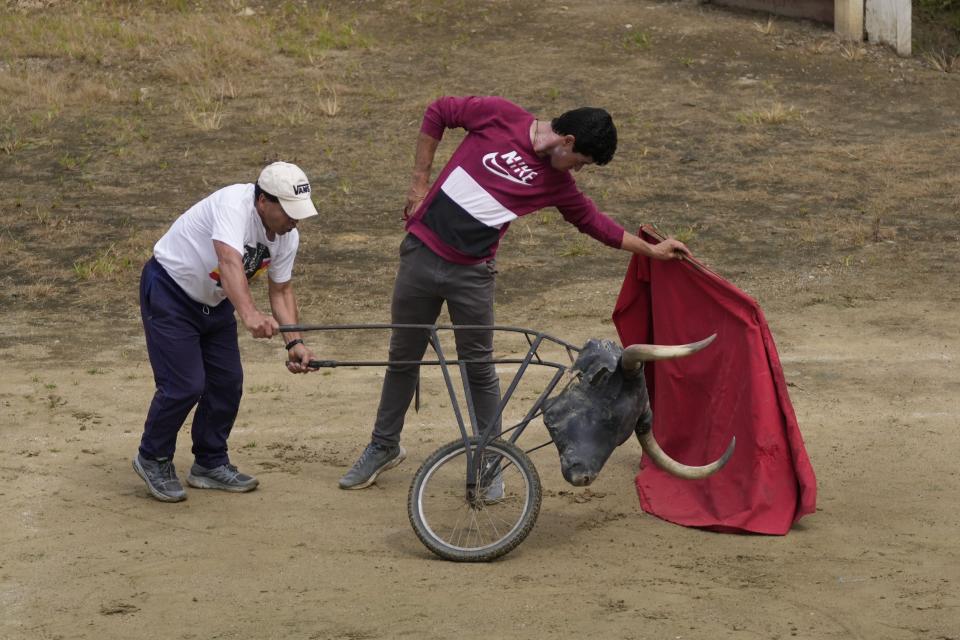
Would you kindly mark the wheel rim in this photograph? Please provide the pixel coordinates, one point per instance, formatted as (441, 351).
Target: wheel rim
(463, 525)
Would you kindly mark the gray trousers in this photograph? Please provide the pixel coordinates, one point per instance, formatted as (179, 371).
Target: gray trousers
(424, 282)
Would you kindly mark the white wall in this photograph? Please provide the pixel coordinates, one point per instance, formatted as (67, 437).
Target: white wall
(889, 21)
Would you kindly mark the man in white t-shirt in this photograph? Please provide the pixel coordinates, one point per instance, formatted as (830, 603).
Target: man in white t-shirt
(198, 276)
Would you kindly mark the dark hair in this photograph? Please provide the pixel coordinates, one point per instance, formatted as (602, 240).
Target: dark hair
(257, 191)
(593, 132)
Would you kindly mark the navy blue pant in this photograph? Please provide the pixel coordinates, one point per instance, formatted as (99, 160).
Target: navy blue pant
(196, 363)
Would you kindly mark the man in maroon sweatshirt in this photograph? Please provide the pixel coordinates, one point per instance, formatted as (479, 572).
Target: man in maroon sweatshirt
(509, 164)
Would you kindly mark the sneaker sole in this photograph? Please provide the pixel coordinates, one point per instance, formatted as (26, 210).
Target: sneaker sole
(373, 477)
(162, 497)
(203, 482)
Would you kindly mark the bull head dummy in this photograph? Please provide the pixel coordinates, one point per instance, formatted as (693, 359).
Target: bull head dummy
(605, 401)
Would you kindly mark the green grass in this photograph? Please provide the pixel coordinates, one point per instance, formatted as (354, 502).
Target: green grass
(72, 162)
(578, 247)
(684, 234)
(637, 40)
(937, 5)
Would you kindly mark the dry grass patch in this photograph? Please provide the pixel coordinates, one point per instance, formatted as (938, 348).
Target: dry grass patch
(185, 45)
(11, 140)
(34, 291)
(137, 50)
(851, 230)
(33, 89)
(766, 28)
(819, 47)
(684, 234)
(204, 108)
(46, 223)
(283, 111)
(805, 230)
(327, 100)
(774, 114)
(852, 52)
(866, 228)
(942, 61)
(111, 262)
(577, 247)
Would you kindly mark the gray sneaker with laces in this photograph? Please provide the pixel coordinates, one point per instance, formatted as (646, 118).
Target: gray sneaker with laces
(494, 492)
(374, 460)
(226, 477)
(160, 478)
(491, 480)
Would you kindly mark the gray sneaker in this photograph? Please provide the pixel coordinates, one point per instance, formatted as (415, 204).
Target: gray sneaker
(493, 493)
(374, 460)
(226, 477)
(491, 481)
(161, 478)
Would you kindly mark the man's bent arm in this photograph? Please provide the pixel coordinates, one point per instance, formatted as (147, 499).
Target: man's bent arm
(283, 302)
(420, 180)
(234, 283)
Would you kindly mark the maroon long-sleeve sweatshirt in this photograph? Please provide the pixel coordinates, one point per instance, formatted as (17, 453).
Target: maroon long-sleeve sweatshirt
(493, 178)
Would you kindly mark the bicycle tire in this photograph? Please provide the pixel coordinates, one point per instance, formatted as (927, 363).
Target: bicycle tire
(441, 480)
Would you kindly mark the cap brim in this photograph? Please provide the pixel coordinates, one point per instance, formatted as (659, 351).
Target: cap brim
(298, 209)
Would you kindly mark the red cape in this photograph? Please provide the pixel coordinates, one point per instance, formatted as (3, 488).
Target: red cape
(734, 387)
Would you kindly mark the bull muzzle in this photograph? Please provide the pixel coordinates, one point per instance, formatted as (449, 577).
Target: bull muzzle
(578, 476)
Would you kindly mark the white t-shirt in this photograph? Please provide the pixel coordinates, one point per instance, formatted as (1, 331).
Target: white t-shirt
(187, 253)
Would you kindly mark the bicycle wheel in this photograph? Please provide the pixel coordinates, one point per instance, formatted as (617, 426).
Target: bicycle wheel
(464, 528)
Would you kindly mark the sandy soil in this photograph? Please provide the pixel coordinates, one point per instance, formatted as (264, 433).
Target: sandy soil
(841, 219)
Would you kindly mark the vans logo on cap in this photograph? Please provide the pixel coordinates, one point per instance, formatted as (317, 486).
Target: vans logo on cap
(301, 188)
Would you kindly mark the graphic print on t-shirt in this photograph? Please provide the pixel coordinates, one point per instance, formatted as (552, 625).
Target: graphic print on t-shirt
(255, 260)
(516, 169)
(466, 216)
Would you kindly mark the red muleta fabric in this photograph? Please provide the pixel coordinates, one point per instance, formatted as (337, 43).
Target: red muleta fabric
(734, 387)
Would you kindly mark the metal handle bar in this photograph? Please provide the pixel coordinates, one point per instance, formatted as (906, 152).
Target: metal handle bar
(534, 339)
(285, 328)
(333, 364)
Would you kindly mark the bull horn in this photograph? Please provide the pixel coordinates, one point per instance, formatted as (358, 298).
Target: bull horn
(635, 355)
(671, 466)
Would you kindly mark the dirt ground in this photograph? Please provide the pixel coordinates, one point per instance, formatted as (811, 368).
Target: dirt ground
(820, 177)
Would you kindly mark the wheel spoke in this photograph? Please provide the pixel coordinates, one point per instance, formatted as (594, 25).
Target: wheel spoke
(493, 524)
(456, 528)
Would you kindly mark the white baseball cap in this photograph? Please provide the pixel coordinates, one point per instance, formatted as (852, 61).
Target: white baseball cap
(289, 184)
